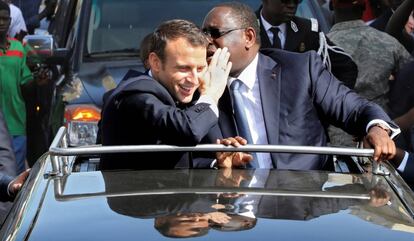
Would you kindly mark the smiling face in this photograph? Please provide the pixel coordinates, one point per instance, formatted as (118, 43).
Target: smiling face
(181, 68)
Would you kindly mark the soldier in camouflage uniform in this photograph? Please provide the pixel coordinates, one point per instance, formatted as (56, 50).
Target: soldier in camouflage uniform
(377, 54)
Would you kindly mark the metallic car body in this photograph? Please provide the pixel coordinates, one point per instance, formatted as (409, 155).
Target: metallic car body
(60, 202)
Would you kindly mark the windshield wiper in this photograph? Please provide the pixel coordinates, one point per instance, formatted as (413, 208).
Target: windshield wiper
(117, 52)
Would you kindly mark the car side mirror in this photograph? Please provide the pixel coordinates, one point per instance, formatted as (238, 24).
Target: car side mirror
(41, 50)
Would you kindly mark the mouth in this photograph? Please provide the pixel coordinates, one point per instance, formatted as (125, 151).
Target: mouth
(186, 90)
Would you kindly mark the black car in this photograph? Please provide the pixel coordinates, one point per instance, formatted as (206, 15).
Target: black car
(67, 197)
(102, 40)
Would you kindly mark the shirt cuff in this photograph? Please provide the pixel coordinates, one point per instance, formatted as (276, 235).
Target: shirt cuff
(403, 163)
(8, 189)
(208, 100)
(394, 131)
(213, 164)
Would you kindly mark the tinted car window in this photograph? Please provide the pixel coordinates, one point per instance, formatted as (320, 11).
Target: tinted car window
(116, 25)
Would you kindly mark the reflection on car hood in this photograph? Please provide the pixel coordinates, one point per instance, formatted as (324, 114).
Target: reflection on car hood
(221, 205)
(99, 77)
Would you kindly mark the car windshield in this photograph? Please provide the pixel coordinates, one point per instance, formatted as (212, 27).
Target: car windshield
(118, 26)
(122, 24)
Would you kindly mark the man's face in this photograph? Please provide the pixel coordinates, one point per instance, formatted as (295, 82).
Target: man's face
(277, 12)
(4, 21)
(181, 68)
(185, 225)
(219, 20)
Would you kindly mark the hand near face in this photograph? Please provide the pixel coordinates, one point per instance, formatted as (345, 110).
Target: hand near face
(218, 217)
(384, 146)
(232, 159)
(214, 79)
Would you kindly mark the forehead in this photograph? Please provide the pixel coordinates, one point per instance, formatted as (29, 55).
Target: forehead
(220, 17)
(181, 48)
(4, 13)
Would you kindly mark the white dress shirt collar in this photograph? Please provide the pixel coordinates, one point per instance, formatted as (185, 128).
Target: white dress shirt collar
(249, 75)
(267, 26)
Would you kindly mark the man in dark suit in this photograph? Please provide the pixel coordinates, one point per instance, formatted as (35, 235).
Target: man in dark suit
(175, 104)
(288, 98)
(300, 35)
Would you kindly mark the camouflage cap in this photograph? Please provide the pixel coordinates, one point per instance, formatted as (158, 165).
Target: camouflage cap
(347, 3)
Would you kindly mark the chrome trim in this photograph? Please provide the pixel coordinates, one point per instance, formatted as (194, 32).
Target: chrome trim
(208, 190)
(56, 149)
(400, 187)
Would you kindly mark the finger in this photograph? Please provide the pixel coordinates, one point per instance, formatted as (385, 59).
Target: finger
(247, 158)
(377, 152)
(214, 60)
(384, 151)
(241, 140)
(218, 141)
(222, 62)
(228, 68)
(392, 149)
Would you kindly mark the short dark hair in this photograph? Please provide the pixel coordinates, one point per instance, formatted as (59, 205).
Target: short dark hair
(244, 15)
(174, 29)
(4, 6)
(145, 48)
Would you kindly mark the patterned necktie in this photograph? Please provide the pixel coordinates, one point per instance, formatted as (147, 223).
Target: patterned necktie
(240, 116)
(276, 40)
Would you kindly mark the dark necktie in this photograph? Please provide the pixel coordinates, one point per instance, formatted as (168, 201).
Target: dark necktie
(240, 116)
(276, 40)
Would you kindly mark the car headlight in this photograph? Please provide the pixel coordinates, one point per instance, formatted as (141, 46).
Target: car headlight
(82, 124)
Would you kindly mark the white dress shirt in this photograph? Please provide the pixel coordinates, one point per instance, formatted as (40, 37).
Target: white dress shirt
(17, 23)
(253, 110)
(281, 34)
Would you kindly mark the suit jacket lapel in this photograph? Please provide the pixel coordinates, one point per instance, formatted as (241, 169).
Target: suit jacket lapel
(269, 75)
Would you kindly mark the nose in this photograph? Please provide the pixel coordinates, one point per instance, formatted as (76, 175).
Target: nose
(193, 76)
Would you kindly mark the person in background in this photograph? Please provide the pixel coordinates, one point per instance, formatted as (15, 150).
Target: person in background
(377, 55)
(17, 26)
(30, 10)
(300, 35)
(14, 76)
(401, 25)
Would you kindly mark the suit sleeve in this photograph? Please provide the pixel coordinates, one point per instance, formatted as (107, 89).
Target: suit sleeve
(7, 160)
(173, 125)
(341, 106)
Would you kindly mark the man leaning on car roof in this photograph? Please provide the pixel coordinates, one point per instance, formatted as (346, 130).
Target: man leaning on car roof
(288, 98)
(175, 104)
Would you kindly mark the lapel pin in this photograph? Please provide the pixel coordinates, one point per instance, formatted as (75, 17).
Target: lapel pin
(302, 47)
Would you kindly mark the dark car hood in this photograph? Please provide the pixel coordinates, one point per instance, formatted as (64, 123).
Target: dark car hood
(98, 77)
(128, 205)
